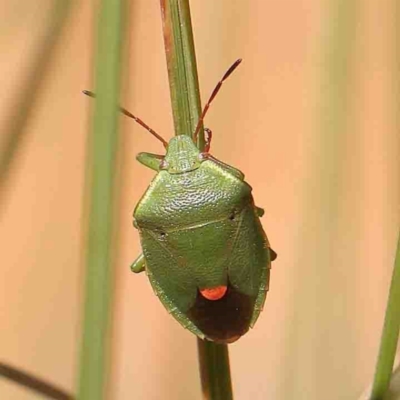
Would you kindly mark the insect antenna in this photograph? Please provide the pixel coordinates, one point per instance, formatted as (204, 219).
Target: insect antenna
(138, 120)
(213, 94)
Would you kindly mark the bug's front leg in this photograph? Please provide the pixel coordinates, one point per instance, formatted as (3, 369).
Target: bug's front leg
(150, 160)
(208, 140)
(139, 265)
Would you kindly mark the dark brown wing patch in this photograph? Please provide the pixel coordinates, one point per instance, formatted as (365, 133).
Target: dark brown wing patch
(223, 320)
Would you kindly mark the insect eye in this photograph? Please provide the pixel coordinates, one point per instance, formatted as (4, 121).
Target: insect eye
(203, 156)
(163, 164)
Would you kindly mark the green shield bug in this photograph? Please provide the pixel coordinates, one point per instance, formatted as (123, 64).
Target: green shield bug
(205, 252)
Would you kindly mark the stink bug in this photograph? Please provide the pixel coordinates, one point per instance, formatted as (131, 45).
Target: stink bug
(205, 252)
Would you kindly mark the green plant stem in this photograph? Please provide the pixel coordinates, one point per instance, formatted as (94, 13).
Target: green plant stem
(182, 68)
(214, 370)
(186, 109)
(390, 332)
(102, 150)
(390, 335)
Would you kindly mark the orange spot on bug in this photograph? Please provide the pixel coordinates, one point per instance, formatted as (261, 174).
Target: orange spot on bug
(214, 293)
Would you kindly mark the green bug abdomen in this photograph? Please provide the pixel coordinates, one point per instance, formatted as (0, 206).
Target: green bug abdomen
(182, 262)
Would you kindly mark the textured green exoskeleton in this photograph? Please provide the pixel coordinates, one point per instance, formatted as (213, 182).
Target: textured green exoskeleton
(204, 249)
(200, 229)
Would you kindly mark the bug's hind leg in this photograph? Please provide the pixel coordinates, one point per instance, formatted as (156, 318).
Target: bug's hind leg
(272, 254)
(260, 211)
(138, 265)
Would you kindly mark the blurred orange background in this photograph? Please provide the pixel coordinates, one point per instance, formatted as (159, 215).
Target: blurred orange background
(324, 165)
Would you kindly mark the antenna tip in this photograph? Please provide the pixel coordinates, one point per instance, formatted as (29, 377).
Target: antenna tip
(88, 93)
(235, 65)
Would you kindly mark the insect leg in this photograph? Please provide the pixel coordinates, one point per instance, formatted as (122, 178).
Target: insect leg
(150, 160)
(138, 265)
(272, 254)
(260, 211)
(208, 140)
